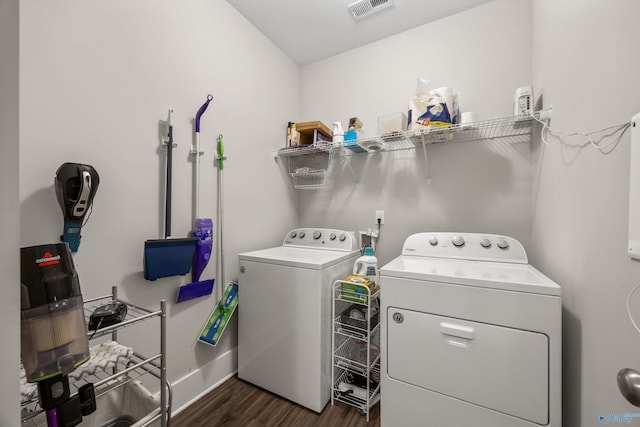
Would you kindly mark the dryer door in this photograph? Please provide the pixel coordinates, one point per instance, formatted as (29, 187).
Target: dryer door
(502, 369)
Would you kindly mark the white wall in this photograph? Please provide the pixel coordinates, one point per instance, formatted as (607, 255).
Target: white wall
(9, 225)
(97, 78)
(484, 54)
(585, 63)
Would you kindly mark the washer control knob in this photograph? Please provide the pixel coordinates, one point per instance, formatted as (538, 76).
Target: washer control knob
(316, 235)
(503, 244)
(433, 240)
(343, 237)
(457, 241)
(293, 234)
(301, 234)
(332, 236)
(485, 243)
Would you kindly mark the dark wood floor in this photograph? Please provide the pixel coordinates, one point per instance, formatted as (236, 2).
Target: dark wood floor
(238, 403)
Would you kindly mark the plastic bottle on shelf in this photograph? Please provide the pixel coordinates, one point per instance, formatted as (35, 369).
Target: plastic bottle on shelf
(367, 265)
(293, 136)
(338, 133)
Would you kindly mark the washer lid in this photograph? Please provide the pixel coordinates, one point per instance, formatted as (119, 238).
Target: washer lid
(486, 274)
(317, 259)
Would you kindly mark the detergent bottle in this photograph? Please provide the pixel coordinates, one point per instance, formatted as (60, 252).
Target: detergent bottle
(367, 265)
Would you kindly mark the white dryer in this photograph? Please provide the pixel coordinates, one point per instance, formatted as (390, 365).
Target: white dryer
(471, 335)
(284, 325)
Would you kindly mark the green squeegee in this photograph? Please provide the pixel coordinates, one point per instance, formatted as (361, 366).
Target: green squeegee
(220, 316)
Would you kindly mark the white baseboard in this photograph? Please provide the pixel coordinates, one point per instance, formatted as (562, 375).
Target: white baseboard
(198, 383)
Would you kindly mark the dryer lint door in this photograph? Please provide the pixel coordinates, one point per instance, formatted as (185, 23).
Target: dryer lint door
(499, 368)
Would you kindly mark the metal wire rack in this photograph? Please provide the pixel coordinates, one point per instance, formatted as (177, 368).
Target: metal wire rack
(352, 354)
(123, 370)
(309, 166)
(311, 171)
(500, 127)
(355, 344)
(352, 399)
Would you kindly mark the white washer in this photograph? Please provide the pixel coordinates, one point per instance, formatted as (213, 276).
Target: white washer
(471, 335)
(284, 325)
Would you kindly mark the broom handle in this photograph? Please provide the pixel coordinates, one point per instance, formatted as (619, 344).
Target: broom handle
(220, 215)
(167, 214)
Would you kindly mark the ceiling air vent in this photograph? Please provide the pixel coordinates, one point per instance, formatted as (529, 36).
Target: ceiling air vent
(363, 8)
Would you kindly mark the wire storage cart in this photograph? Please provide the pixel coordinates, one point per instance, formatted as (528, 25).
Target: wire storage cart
(356, 346)
(117, 373)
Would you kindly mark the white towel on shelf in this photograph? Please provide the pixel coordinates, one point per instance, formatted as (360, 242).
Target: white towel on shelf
(104, 356)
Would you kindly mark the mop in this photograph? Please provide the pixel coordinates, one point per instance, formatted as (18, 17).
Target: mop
(202, 229)
(219, 318)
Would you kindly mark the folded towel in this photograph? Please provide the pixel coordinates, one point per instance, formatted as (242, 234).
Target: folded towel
(104, 356)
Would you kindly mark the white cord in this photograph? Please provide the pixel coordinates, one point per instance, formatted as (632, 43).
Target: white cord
(596, 144)
(629, 307)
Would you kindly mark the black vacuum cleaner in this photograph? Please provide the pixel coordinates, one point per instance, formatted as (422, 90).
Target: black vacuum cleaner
(76, 185)
(54, 332)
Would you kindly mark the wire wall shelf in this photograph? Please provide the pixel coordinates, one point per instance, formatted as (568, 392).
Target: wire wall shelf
(501, 127)
(309, 165)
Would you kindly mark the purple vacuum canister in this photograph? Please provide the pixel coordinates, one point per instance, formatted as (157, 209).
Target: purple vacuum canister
(203, 230)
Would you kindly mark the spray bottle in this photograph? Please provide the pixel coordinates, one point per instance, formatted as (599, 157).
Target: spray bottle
(338, 133)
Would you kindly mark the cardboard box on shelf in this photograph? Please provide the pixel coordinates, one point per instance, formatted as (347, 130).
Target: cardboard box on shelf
(312, 132)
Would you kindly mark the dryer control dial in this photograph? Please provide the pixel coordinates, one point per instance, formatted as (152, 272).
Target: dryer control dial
(301, 234)
(316, 235)
(485, 243)
(433, 240)
(332, 236)
(503, 244)
(457, 241)
(293, 234)
(343, 237)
